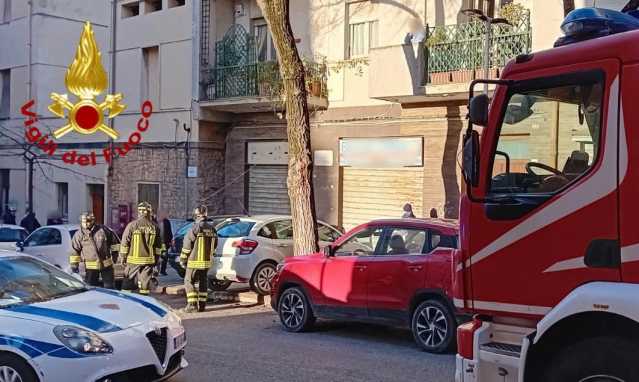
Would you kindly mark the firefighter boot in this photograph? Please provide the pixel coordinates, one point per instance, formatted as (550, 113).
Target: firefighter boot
(190, 308)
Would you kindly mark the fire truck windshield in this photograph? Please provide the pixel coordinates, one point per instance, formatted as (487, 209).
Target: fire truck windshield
(548, 138)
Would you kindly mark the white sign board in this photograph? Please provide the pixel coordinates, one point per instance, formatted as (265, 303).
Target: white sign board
(267, 152)
(192, 172)
(323, 158)
(390, 152)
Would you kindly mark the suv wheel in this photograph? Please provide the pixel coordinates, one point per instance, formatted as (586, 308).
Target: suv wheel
(219, 285)
(295, 311)
(261, 280)
(14, 369)
(433, 326)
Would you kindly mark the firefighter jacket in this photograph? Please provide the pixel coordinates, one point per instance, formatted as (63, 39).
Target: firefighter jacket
(199, 245)
(93, 247)
(141, 242)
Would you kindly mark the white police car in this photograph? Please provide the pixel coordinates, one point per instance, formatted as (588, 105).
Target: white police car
(56, 328)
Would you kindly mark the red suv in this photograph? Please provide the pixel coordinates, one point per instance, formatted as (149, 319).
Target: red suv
(395, 271)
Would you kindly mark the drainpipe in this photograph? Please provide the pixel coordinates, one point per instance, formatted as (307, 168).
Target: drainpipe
(112, 47)
(30, 158)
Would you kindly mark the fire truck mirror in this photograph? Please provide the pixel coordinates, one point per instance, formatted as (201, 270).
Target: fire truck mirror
(470, 158)
(478, 110)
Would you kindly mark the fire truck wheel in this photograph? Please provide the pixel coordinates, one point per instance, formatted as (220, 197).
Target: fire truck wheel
(433, 326)
(14, 368)
(600, 359)
(294, 310)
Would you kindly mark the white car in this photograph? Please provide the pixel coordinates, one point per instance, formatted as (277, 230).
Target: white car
(249, 249)
(54, 327)
(11, 234)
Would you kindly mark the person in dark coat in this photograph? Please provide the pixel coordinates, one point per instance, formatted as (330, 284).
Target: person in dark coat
(30, 222)
(408, 211)
(167, 238)
(9, 216)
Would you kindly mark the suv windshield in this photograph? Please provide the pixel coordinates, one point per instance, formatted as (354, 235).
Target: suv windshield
(234, 228)
(24, 280)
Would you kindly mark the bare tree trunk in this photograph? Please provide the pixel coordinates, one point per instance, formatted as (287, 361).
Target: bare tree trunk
(300, 164)
(569, 5)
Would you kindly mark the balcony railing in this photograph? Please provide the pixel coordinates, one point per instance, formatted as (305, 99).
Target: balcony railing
(261, 79)
(455, 53)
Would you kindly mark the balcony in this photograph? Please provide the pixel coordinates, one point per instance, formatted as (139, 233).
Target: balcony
(441, 68)
(238, 83)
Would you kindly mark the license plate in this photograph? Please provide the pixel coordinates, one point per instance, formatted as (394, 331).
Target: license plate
(179, 341)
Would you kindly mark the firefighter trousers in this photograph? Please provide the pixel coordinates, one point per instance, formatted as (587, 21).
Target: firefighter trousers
(196, 296)
(140, 275)
(92, 277)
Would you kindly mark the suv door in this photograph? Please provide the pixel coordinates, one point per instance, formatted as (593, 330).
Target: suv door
(343, 279)
(397, 272)
(45, 243)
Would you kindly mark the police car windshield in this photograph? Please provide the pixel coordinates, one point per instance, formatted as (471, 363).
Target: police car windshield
(24, 280)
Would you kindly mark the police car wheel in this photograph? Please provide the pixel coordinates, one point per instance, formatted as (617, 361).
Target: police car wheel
(15, 369)
(294, 310)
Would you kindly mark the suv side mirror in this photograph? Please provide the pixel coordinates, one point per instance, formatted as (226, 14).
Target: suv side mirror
(470, 158)
(478, 110)
(329, 251)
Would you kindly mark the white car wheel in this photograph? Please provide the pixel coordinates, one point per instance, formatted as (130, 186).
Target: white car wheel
(261, 280)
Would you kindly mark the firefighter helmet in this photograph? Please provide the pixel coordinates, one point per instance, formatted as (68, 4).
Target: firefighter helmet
(144, 209)
(200, 211)
(87, 220)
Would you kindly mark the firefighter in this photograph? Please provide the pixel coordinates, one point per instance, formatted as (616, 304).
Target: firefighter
(139, 250)
(92, 245)
(197, 249)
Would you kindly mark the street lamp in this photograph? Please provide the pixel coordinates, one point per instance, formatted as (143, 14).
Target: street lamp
(488, 22)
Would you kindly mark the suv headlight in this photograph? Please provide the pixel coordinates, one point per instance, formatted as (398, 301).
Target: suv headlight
(81, 340)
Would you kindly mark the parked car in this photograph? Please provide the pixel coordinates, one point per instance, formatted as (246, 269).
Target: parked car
(11, 234)
(249, 249)
(54, 327)
(53, 244)
(395, 271)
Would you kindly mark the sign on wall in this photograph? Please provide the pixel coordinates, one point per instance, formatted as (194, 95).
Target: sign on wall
(386, 152)
(267, 152)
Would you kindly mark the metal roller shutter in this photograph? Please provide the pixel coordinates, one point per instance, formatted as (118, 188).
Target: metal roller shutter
(268, 193)
(369, 194)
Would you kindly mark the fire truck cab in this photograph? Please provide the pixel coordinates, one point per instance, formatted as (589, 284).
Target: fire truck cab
(549, 239)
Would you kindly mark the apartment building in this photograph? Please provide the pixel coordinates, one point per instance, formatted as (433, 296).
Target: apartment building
(38, 42)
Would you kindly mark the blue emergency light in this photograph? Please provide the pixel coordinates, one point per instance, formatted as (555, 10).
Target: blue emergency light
(588, 23)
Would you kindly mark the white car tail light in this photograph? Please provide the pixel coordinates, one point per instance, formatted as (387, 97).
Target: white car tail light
(245, 246)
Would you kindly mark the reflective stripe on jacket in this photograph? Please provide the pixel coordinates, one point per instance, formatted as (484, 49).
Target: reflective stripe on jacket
(141, 242)
(199, 245)
(93, 247)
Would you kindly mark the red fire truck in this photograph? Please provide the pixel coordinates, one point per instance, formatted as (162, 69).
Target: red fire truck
(549, 238)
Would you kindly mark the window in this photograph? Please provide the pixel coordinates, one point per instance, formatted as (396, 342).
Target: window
(486, 6)
(5, 12)
(130, 10)
(149, 192)
(441, 241)
(151, 74)
(362, 37)
(402, 241)
(326, 233)
(549, 136)
(264, 48)
(152, 6)
(279, 230)
(9, 235)
(176, 3)
(235, 228)
(5, 93)
(363, 243)
(63, 199)
(44, 236)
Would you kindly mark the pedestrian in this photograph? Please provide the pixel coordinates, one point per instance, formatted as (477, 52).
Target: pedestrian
(139, 250)
(433, 213)
(167, 238)
(29, 221)
(408, 211)
(9, 216)
(195, 257)
(92, 245)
